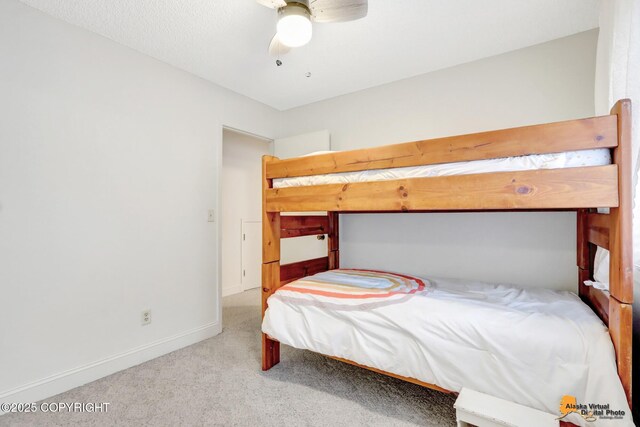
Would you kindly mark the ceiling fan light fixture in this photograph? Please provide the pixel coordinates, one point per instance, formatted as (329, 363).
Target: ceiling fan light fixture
(294, 25)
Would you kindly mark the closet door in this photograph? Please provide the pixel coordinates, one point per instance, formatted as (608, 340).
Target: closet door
(308, 247)
(251, 254)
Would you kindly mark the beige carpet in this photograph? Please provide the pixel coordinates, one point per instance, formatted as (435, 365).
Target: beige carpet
(218, 382)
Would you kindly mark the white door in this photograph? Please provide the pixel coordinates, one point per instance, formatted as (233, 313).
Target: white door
(308, 247)
(251, 254)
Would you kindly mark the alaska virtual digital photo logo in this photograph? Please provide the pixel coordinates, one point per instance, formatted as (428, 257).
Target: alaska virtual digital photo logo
(589, 412)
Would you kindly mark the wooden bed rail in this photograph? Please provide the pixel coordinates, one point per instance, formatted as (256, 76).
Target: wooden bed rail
(303, 225)
(298, 270)
(532, 189)
(596, 132)
(543, 189)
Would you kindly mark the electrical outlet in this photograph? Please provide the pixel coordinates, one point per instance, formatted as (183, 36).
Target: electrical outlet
(146, 317)
(212, 215)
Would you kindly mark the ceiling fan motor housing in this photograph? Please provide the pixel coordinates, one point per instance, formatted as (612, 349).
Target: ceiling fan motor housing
(295, 7)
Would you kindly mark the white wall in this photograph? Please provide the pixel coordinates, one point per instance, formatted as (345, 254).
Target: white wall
(108, 165)
(302, 145)
(549, 82)
(241, 200)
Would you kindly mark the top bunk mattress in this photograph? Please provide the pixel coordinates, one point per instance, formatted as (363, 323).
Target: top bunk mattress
(529, 346)
(569, 159)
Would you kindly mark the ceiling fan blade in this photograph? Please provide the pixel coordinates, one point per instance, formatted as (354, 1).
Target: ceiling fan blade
(276, 48)
(338, 10)
(273, 4)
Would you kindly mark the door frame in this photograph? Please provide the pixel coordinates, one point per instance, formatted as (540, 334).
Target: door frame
(217, 206)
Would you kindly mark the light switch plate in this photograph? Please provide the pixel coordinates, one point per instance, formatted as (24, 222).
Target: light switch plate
(212, 216)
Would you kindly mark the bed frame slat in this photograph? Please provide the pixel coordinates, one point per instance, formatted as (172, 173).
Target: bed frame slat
(598, 229)
(400, 377)
(298, 270)
(301, 225)
(596, 132)
(537, 189)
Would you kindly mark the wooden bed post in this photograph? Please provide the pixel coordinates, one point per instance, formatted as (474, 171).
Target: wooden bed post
(621, 251)
(333, 237)
(613, 231)
(270, 266)
(585, 265)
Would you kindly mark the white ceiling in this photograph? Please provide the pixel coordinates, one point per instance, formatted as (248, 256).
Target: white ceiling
(225, 41)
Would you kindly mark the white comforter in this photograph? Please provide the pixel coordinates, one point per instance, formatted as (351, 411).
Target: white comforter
(530, 346)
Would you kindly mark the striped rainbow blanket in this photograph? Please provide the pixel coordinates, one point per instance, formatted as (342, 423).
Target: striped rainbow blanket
(346, 288)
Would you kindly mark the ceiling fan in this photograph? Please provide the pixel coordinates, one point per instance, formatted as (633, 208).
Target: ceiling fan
(294, 27)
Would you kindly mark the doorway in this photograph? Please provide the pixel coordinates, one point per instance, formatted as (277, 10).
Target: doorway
(241, 210)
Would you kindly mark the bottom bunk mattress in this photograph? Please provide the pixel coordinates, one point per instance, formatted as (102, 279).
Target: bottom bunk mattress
(530, 346)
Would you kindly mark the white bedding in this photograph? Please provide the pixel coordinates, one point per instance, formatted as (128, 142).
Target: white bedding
(569, 159)
(530, 346)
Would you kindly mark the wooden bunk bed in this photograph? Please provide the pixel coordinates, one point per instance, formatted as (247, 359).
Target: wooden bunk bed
(579, 189)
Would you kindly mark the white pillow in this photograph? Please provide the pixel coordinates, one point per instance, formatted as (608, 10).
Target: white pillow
(601, 269)
(315, 153)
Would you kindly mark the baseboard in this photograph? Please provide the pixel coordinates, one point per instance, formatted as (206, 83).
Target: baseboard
(232, 290)
(63, 381)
